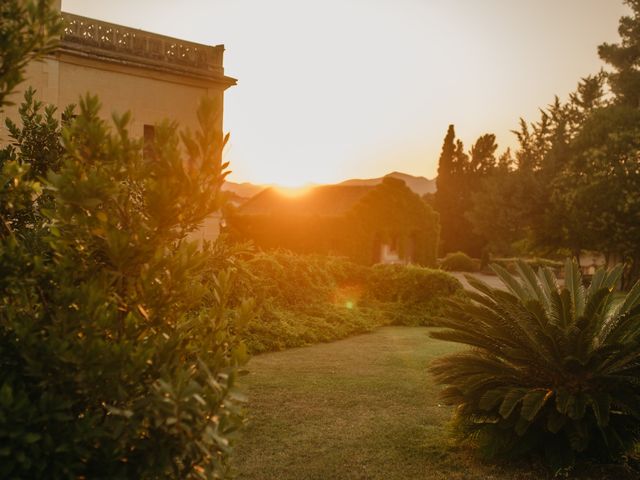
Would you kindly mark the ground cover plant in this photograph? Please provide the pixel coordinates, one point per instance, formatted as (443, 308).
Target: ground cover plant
(553, 371)
(303, 299)
(306, 299)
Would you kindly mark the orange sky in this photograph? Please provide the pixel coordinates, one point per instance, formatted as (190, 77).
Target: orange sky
(336, 89)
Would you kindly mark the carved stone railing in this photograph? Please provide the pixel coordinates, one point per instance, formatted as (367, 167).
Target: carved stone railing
(116, 41)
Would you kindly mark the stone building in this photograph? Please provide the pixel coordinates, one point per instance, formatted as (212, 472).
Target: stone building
(154, 76)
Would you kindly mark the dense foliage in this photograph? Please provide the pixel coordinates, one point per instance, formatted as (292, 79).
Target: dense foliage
(459, 176)
(393, 214)
(573, 182)
(306, 299)
(28, 30)
(409, 295)
(551, 370)
(116, 361)
(117, 346)
(459, 262)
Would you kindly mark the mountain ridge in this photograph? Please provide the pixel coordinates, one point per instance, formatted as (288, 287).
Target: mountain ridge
(420, 185)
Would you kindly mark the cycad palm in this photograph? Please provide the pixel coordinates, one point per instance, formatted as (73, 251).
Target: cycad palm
(553, 370)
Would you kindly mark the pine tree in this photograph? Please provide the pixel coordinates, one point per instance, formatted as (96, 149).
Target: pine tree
(447, 199)
(459, 176)
(624, 57)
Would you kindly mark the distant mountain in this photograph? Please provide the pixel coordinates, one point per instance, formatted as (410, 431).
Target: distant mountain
(419, 185)
(243, 190)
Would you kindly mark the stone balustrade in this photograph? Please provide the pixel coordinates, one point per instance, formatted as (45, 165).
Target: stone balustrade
(111, 40)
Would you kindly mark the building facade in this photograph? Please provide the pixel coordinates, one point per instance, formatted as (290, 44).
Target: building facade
(153, 76)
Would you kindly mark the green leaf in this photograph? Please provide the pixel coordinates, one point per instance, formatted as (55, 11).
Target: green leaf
(573, 283)
(491, 399)
(533, 401)
(530, 280)
(601, 406)
(577, 407)
(6, 395)
(522, 426)
(631, 299)
(32, 437)
(555, 421)
(511, 282)
(563, 399)
(511, 400)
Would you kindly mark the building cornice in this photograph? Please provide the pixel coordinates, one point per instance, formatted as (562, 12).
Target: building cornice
(90, 39)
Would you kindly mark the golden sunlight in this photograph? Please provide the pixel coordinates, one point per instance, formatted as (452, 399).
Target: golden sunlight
(428, 249)
(294, 190)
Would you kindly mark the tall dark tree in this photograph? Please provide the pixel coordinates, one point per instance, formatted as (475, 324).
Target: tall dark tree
(599, 186)
(523, 209)
(459, 176)
(482, 156)
(624, 57)
(499, 209)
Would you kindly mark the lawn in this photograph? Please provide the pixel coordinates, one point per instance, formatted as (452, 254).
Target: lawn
(360, 408)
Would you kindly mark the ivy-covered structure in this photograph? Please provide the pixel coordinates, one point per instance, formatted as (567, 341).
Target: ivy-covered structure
(386, 223)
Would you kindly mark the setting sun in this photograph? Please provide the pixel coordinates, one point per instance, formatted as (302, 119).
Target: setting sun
(293, 191)
(334, 89)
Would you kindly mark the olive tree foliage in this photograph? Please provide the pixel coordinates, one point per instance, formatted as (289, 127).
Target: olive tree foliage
(28, 30)
(119, 345)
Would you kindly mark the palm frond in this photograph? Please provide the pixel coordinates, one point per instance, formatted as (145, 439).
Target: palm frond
(547, 365)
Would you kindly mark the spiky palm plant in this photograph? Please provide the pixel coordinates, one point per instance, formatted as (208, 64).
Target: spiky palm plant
(551, 370)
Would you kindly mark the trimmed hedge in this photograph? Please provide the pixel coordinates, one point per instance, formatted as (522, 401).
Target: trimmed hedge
(459, 262)
(510, 264)
(410, 295)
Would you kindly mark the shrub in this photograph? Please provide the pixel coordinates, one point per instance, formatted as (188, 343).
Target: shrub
(280, 328)
(459, 262)
(304, 299)
(551, 371)
(110, 367)
(510, 264)
(408, 294)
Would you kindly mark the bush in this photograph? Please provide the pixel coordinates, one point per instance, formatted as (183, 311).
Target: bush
(510, 264)
(409, 283)
(551, 371)
(304, 299)
(459, 262)
(409, 295)
(115, 360)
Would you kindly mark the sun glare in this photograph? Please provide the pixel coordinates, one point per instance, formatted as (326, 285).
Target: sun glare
(294, 191)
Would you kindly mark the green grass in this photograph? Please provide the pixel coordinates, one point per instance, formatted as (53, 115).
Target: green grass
(361, 408)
